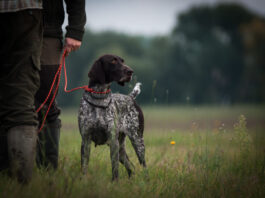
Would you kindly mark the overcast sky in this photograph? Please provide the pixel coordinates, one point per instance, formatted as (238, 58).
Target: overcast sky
(148, 17)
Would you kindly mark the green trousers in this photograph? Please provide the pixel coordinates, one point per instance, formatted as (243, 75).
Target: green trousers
(21, 41)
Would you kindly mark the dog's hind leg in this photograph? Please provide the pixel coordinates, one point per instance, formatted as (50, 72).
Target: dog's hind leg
(124, 157)
(85, 153)
(138, 145)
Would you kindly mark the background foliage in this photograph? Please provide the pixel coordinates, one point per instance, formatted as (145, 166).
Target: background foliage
(213, 55)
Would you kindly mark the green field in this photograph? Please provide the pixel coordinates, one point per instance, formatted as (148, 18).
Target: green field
(217, 153)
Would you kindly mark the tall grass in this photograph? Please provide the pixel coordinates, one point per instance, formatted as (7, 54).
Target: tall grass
(210, 162)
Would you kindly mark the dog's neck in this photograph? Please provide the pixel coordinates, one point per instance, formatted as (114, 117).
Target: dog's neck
(93, 83)
(101, 100)
(98, 87)
(101, 88)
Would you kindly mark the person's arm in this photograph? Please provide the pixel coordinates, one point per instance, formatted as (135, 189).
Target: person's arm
(76, 22)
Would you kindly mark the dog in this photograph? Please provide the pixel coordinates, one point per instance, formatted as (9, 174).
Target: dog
(107, 118)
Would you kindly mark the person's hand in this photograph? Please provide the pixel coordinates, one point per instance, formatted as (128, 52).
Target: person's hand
(70, 45)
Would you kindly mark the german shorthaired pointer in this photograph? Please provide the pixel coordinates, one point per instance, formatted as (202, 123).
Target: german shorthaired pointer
(106, 118)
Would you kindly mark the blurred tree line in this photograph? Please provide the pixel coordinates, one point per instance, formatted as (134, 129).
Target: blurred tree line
(213, 55)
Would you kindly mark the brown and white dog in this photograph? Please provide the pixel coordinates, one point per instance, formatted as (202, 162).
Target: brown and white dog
(107, 118)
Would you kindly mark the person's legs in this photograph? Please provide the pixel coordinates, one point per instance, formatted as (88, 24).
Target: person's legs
(48, 139)
(21, 33)
(21, 142)
(48, 145)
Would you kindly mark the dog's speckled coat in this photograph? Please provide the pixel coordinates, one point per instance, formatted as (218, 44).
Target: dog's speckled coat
(108, 119)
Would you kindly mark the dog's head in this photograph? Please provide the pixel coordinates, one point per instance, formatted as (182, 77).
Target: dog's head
(109, 68)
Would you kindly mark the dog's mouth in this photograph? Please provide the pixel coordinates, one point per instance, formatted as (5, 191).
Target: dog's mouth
(125, 79)
(127, 76)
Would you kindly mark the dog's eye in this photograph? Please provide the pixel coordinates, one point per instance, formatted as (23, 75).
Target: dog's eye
(114, 61)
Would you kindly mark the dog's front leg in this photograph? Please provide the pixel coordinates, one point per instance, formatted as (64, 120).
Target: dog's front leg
(114, 154)
(85, 153)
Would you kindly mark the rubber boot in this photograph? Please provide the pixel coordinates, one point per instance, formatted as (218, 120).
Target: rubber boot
(48, 145)
(21, 142)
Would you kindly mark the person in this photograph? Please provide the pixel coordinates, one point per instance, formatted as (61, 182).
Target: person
(48, 138)
(21, 41)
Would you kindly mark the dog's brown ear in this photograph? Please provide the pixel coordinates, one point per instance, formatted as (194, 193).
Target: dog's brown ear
(97, 72)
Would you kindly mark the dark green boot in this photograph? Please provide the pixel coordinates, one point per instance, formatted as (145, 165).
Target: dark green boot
(48, 145)
(21, 141)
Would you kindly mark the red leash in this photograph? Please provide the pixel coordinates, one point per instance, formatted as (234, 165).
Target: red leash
(58, 76)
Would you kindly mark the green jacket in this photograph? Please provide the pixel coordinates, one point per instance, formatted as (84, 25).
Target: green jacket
(18, 5)
(54, 18)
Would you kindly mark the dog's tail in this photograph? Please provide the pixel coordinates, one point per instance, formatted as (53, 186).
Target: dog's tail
(136, 90)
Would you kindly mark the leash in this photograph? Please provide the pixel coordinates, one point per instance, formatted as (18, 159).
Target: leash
(58, 76)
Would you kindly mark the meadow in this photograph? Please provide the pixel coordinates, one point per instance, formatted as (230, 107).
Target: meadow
(204, 151)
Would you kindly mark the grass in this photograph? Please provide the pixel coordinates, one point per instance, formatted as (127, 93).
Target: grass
(217, 153)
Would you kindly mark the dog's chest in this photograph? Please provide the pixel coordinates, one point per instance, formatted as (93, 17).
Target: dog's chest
(92, 117)
(120, 114)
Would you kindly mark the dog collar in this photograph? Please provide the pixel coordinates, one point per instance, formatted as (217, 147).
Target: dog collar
(97, 92)
(98, 100)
